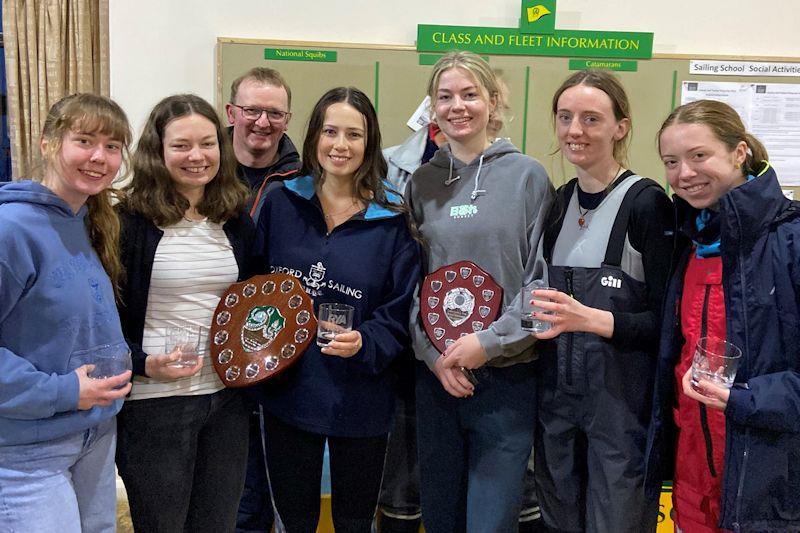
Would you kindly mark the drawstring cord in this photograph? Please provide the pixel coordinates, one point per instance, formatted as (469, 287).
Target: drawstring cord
(476, 191)
(450, 179)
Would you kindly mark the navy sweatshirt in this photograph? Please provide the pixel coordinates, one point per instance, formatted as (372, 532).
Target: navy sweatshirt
(370, 262)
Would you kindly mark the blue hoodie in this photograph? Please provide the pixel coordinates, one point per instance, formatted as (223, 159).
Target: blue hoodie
(370, 262)
(56, 307)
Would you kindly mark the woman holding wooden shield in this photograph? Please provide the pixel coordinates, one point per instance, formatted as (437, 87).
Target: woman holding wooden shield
(479, 204)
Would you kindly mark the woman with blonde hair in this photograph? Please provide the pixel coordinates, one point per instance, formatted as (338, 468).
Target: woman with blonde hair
(737, 457)
(58, 247)
(186, 237)
(477, 199)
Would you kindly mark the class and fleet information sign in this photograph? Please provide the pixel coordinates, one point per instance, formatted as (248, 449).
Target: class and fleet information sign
(509, 41)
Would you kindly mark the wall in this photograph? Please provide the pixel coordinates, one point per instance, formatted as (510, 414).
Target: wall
(163, 47)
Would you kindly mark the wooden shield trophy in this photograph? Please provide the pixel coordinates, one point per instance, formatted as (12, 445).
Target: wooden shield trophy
(457, 300)
(260, 328)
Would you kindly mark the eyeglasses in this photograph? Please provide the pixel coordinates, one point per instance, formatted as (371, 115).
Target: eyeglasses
(254, 113)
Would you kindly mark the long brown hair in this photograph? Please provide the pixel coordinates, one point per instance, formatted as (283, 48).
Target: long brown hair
(152, 192)
(368, 181)
(726, 125)
(609, 84)
(91, 113)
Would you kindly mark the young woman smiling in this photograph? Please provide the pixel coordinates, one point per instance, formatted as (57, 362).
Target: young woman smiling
(475, 441)
(58, 238)
(350, 241)
(186, 237)
(607, 247)
(737, 279)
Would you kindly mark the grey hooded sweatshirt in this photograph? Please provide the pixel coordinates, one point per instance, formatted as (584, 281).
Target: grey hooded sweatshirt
(491, 212)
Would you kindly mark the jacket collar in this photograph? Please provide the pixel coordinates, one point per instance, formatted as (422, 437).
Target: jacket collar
(747, 210)
(287, 153)
(288, 157)
(408, 154)
(303, 187)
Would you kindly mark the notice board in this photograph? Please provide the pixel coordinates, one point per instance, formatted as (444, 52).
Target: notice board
(396, 77)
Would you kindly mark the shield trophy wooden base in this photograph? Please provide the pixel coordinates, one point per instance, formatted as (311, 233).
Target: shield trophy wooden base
(457, 300)
(261, 327)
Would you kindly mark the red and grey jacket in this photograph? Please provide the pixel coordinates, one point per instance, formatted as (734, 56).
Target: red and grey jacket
(697, 483)
(760, 251)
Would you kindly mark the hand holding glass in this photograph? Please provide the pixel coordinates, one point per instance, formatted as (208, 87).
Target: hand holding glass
(528, 322)
(333, 319)
(110, 360)
(185, 339)
(715, 360)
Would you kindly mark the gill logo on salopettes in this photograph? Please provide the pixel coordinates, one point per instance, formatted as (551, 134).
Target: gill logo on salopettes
(261, 327)
(536, 12)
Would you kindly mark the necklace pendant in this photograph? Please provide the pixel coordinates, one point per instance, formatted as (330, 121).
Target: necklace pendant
(582, 217)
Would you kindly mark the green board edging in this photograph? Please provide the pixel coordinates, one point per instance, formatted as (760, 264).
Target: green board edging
(293, 54)
(674, 88)
(525, 109)
(671, 107)
(607, 64)
(377, 84)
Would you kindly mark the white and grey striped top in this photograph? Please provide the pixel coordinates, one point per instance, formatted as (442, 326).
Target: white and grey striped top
(193, 266)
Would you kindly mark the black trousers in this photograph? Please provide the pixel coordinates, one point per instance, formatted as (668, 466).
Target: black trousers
(255, 509)
(183, 460)
(399, 496)
(294, 461)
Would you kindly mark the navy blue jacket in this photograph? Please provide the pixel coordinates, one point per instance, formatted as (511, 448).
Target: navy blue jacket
(370, 262)
(760, 247)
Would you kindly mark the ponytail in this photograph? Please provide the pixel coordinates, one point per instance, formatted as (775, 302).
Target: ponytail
(756, 155)
(103, 227)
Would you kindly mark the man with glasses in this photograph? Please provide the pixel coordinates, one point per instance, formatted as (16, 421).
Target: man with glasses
(259, 113)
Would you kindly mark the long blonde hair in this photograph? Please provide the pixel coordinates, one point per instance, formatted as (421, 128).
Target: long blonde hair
(91, 113)
(487, 79)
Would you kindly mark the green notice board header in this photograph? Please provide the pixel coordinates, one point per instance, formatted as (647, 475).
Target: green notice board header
(291, 54)
(607, 64)
(509, 41)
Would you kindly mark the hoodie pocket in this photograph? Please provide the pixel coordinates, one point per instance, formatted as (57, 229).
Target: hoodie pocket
(77, 359)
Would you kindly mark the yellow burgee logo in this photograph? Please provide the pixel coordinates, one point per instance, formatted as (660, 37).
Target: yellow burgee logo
(536, 12)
